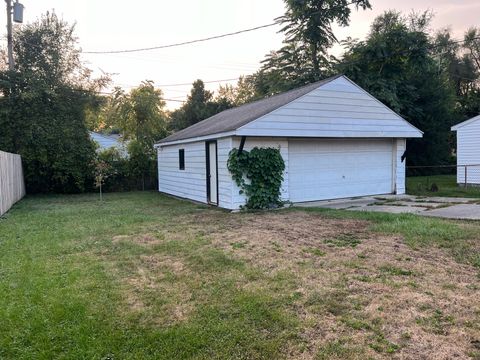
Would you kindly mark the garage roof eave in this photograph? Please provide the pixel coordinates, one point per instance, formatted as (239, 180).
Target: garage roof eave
(465, 123)
(333, 134)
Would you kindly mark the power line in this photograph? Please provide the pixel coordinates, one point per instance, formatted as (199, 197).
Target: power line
(110, 93)
(277, 22)
(181, 43)
(205, 82)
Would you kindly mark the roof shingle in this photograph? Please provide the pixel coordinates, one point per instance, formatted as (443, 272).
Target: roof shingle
(232, 119)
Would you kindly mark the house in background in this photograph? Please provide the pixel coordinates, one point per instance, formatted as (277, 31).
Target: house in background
(468, 151)
(337, 141)
(105, 142)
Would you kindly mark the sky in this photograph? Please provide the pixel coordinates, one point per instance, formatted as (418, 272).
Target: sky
(117, 25)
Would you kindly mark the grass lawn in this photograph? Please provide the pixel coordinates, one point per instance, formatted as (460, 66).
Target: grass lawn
(145, 276)
(447, 186)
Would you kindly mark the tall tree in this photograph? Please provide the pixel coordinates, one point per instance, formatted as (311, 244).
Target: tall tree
(396, 64)
(460, 66)
(141, 114)
(42, 113)
(304, 58)
(200, 105)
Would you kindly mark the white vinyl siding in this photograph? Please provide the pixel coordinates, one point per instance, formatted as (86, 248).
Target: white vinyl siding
(225, 182)
(337, 109)
(468, 152)
(250, 143)
(189, 183)
(338, 168)
(337, 141)
(401, 146)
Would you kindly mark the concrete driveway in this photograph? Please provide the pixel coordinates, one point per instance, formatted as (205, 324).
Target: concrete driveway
(450, 208)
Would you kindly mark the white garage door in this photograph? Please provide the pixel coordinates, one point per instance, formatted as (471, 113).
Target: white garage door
(329, 169)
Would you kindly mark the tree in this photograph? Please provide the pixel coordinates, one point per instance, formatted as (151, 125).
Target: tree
(103, 114)
(396, 64)
(141, 118)
(472, 44)
(462, 64)
(200, 105)
(287, 68)
(244, 91)
(42, 111)
(308, 26)
(303, 58)
(461, 67)
(140, 114)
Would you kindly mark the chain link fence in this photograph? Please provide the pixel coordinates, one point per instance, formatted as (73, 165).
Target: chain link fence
(431, 178)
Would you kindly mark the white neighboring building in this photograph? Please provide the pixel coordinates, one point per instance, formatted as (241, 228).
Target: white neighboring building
(468, 151)
(337, 141)
(108, 141)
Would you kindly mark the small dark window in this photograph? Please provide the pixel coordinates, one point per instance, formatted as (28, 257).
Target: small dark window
(181, 159)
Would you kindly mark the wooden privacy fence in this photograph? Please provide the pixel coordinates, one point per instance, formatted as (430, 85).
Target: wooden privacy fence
(12, 185)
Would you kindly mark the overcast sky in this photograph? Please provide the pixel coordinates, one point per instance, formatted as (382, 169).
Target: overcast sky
(116, 24)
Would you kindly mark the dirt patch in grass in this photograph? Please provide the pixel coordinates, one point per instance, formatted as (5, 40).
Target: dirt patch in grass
(373, 290)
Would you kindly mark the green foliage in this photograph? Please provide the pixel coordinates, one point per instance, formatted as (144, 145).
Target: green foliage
(138, 171)
(102, 171)
(243, 92)
(141, 164)
(200, 105)
(141, 119)
(42, 110)
(140, 114)
(303, 58)
(461, 62)
(308, 29)
(259, 175)
(395, 64)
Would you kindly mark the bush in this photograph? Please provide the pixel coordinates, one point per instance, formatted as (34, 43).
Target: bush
(136, 172)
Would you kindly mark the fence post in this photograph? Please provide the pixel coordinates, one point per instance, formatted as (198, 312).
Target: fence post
(466, 171)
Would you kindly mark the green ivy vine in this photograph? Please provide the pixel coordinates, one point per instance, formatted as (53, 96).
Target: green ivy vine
(259, 175)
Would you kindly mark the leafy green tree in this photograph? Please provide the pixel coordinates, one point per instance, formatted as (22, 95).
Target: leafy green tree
(42, 111)
(287, 68)
(307, 25)
(103, 115)
(140, 114)
(472, 44)
(462, 64)
(200, 105)
(303, 58)
(396, 64)
(141, 118)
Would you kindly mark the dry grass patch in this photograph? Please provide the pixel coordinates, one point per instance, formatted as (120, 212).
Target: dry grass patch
(357, 293)
(157, 290)
(383, 296)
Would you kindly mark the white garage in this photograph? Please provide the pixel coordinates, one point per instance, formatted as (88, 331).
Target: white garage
(333, 168)
(468, 151)
(337, 141)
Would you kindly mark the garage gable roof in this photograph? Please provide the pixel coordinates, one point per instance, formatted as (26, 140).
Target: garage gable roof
(235, 118)
(465, 123)
(334, 107)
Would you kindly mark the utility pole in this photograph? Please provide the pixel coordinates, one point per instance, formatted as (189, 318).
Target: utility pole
(11, 61)
(17, 11)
